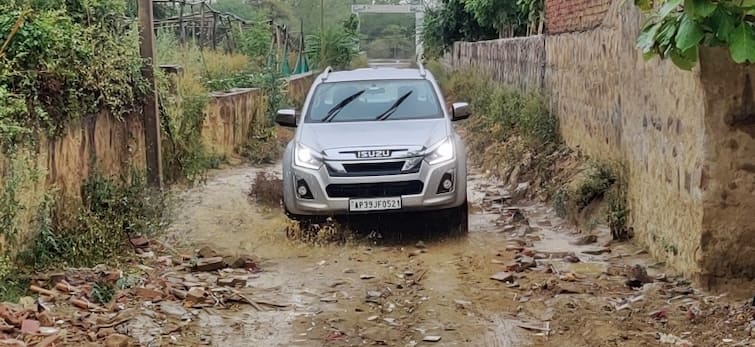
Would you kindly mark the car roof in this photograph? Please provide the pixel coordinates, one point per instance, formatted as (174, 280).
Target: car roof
(382, 73)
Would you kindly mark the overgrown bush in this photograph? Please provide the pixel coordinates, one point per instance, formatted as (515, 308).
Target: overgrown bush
(97, 229)
(601, 186)
(262, 146)
(336, 47)
(596, 182)
(501, 110)
(66, 60)
(213, 70)
(184, 99)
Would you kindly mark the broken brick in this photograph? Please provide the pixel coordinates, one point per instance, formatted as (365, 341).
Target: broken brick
(30, 326)
(210, 264)
(148, 294)
(195, 294)
(140, 242)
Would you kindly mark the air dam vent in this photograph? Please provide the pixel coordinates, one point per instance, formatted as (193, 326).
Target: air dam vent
(374, 190)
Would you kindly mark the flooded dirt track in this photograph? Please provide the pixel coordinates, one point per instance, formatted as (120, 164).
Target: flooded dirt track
(521, 277)
(405, 281)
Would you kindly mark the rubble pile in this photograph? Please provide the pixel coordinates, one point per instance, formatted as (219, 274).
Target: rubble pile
(93, 306)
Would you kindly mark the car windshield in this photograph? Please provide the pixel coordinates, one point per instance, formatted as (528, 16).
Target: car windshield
(354, 101)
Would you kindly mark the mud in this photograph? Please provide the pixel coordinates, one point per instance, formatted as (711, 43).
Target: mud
(403, 281)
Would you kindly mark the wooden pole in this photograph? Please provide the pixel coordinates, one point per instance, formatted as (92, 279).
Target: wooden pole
(193, 24)
(149, 108)
(214, 29)
(181, 26)
(201, 25)
(322, 35)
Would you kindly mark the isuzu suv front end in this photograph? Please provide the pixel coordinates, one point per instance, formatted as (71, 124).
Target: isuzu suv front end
(374, 141)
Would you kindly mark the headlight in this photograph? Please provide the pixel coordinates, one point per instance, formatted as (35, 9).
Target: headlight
(306, 157)
(441, 152)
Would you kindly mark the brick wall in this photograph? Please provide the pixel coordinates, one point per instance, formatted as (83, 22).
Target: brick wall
(574, 15)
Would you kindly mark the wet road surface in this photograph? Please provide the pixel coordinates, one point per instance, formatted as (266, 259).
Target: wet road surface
(398, 281)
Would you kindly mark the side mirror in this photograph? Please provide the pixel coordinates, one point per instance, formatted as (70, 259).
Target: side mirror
(460, 111)
(286, 118)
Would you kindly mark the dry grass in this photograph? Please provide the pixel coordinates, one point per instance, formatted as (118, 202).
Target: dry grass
(199, 65)
(267, 189)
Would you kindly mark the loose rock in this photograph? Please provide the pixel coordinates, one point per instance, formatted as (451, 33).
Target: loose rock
(431, 338)
(209, 264)
(585, 240)
(116, 340)
(207, 252)
(503, 276)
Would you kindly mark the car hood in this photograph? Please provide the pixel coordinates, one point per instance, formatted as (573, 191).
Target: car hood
(326, 136)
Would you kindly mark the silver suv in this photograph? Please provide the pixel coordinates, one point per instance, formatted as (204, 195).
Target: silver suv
(375, 141)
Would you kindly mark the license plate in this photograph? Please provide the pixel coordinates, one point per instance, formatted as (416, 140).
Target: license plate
(376, 204)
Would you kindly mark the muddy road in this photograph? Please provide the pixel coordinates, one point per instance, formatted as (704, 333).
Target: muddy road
(521, 277)
(395, 281)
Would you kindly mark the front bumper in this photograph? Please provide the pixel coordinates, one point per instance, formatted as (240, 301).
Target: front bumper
(420, 199)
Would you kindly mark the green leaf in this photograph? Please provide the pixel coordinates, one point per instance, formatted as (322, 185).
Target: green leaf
(699, 8)
(690, 33)
(644, 5)
(668, 7)
(667, 32)
(686, 59)
(742, 44)
(646, 39)
(723, 24)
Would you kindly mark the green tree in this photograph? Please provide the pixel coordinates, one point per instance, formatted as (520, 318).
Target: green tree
(503, 15)
(336, 47)
(451, 22)
(676, 29)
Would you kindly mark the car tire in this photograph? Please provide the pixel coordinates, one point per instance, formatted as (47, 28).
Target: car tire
(459, 220)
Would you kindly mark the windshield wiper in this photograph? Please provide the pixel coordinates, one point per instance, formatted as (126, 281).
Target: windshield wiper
(394, 107)
(339, 106)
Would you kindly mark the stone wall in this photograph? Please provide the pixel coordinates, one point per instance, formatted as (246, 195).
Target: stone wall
(100, 142)
(728, 175)
(231, 118)
(115, 146)
(685, 137)
(613, 104)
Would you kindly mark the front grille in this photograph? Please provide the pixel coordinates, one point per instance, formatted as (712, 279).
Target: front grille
(373, 169)
(374, 190)
(384, 168)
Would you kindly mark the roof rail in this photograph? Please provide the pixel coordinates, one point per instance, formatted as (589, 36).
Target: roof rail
(325, 72)
(420, 66)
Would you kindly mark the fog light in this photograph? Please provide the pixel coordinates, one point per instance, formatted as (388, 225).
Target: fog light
(302, 190)
(446, 183)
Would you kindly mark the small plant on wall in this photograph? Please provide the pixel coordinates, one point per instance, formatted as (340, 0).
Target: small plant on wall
(676, 29)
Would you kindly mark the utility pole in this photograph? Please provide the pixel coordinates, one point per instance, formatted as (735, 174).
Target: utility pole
(322, 34)
(149, 108)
